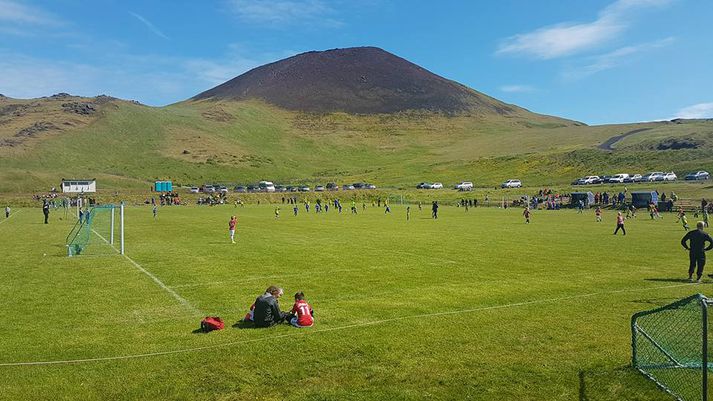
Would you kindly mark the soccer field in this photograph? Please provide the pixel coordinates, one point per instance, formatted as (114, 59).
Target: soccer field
(475, 305)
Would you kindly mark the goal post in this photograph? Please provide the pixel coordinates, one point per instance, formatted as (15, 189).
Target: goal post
(670, 347)
(95, 231)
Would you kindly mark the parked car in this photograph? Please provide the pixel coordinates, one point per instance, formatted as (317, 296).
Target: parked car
(253, 188)
(653, 176)
(358, 185)
(293, 188)
(465, 186)
(280, 188)
(633, 178)
(618, 178)
(603, 179)
(511, 184)
(222, 189)
(348, 187)
(370, 186)
(240, 189)
(698, 175)
(331, 186)
(436, 185)
(670, 176)
(319, 188)
(423, 185)
(305, 188)
(591, 179)
(208, 189)
(194, 190)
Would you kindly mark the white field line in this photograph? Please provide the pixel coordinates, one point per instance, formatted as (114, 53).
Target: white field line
(337, 328)
(9, 217)
(156, 280)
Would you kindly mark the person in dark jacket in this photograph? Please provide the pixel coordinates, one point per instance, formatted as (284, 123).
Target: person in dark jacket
(695, 242)
(46, 210)
(267, 309)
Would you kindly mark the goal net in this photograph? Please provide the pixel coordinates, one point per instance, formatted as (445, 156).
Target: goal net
(98, 230)
(670, 347)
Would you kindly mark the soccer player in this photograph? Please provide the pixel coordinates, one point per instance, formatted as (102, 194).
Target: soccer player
(231, 227)
(387, 208)
(46, 211)
(7, 211)
(295, 209)
(354, 209)
(619, 223)
(155, 211)
(684, 221)
(434, 210)
(694, 242)
(526, 213)
(277, 212)
(302, 314)
(408, 213)
(598, 214)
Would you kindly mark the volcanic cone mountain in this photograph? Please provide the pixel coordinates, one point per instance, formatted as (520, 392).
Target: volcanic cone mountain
(359, 80)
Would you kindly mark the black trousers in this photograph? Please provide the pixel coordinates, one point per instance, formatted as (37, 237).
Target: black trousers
(47, 216)
(618, 227)
(697, 260)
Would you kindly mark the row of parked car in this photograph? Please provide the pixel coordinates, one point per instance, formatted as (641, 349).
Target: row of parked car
(467, 185)
(267, 186)
(631, 178)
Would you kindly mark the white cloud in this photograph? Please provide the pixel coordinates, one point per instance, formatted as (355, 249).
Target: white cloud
(612, 59)
(149, 25)
(19, 13)
(517, 88)
(569, 38)
(284, 12)
(700, 110)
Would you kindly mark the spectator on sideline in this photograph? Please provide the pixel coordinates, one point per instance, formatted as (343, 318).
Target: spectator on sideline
(267, 308)
(695, 241)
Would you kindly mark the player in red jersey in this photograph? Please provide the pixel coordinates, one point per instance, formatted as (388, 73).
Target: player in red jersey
(231, 227)
(302, 313)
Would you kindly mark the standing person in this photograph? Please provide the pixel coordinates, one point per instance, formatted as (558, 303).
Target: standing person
(598, 214)
(694, 242)
(231, 228)
(580, 206)
(619, 223)
(295, 209)
(408, 213)
(434, 210)
(155, 211)
(684, 221)
(7, 211)
(277, 212)
(267, 308)
(419, 206)
(526, 213)
(705, 217)
(354, 209)
(387, 209)
(46, 210)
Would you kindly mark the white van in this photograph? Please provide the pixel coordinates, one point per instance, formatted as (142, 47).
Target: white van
(266, 186)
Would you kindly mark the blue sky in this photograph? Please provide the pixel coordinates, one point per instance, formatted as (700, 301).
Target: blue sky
(592, 61)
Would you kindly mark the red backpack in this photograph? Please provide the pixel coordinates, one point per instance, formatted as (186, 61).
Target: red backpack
(211, 323)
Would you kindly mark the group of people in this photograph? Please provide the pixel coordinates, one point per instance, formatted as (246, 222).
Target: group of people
(266, 312)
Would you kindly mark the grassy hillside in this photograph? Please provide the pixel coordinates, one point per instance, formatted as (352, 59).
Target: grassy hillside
(127, 145)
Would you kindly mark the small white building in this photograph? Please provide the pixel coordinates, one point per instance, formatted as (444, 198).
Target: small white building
(79, 185)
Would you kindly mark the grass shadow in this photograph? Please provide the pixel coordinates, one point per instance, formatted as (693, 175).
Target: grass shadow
(242, 324)
(668, 280)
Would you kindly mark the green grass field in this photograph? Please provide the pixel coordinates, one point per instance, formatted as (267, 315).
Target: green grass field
(476, 305)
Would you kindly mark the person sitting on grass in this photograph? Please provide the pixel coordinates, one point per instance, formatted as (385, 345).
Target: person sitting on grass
(249, 316)
(267, 308)
(302, 314)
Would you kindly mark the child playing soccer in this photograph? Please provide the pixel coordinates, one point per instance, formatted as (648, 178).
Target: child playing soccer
(155, 211)
(7, 211)
(408, 213)
(302, 313)
(526, 213)
(277, 212)
(598, 214)
(231, 227)
(684, 221)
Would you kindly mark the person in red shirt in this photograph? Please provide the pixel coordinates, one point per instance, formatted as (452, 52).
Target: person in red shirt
(231, 226)
(302, 313)
(249, 316)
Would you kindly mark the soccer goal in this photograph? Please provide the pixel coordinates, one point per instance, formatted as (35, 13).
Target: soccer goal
(670, 347)
(97, 231)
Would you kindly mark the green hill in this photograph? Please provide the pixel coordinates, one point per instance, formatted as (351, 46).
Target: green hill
(126, 145)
